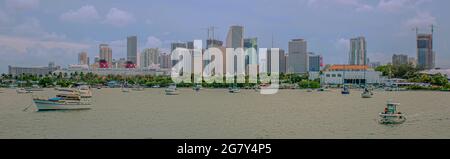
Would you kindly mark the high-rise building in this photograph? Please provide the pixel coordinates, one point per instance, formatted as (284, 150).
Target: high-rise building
(399, 59)
(83, 58)
(281, 61)
(105, 54)
(235, 37)
(173, 47)
(358, 51)
(149, 57)
(248, 44)
(315, 62)
(425, 53)
(298, 56)
(132, 49)
(165, 60)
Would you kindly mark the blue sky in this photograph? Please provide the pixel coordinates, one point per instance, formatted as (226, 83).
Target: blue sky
(34, 32)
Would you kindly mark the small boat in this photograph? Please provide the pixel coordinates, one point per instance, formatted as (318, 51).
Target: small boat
(69, 101)
(197, 87)
(366, 93)
(172, 90)
(309, 90)
(345, 90)
(125, 88)
(390, 115)
(234, 89)
(85, 91)
(23, 91)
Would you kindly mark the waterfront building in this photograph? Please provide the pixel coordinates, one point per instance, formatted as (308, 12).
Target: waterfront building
(115, 71)
(374, 64)
(399, 59)
(315, 62)
(298, 56)
(425, 53)
(105, 53)
(173, 47)
(149, 57)
(213, 43)
(37, 70)
(165, 60)
(248, 44)
(83, 58)
(132, 49)
(235, 37)
(281, 60)
(348, 74)
(358, 51)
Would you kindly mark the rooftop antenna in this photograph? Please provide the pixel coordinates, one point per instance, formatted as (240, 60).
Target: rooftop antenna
(272, 40)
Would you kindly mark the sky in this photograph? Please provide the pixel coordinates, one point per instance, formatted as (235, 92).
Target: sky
(35, 32)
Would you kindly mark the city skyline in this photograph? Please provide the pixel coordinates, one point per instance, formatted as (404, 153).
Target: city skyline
(35, 32)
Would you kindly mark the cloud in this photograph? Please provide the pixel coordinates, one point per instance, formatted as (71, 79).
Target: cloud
(153, 42)
(22, 4)
(4, 19)
(356, 4)
(22, 44)
(32, 28)
(119, 18)
(397, 5)
(85, 14)
(421, 20)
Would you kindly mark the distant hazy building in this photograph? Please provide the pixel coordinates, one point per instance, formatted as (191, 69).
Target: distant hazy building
(315, 62)
(40, 70)
(248, 44)
(298, 56)
(425, 53)
(412, 61)
(132, 49)
(399, 59)
(83, 58)
(213, 43)
(374, 64)
(235, 37)
(358, 51)
(105, 53)
(149, 57)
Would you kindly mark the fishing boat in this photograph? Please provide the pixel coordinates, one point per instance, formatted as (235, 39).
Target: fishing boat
(366, 93)
(63, 101)
(172, 90)
(23, 91)
(391, 115)
(345, 90)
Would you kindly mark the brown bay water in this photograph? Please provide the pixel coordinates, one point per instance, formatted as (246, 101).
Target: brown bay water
(215, 113)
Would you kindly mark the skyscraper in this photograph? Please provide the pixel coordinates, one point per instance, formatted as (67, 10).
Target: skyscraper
(315, 62)
(281, 61)
(298, 56)
(173, 47)
(83, 58)
(132, 49)
(165, 60)
(105, 54)
(235, 37)
(399, 59)
(425, 53)
(149, 57)
(213, 43)
(358, 51)
(248, 44)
